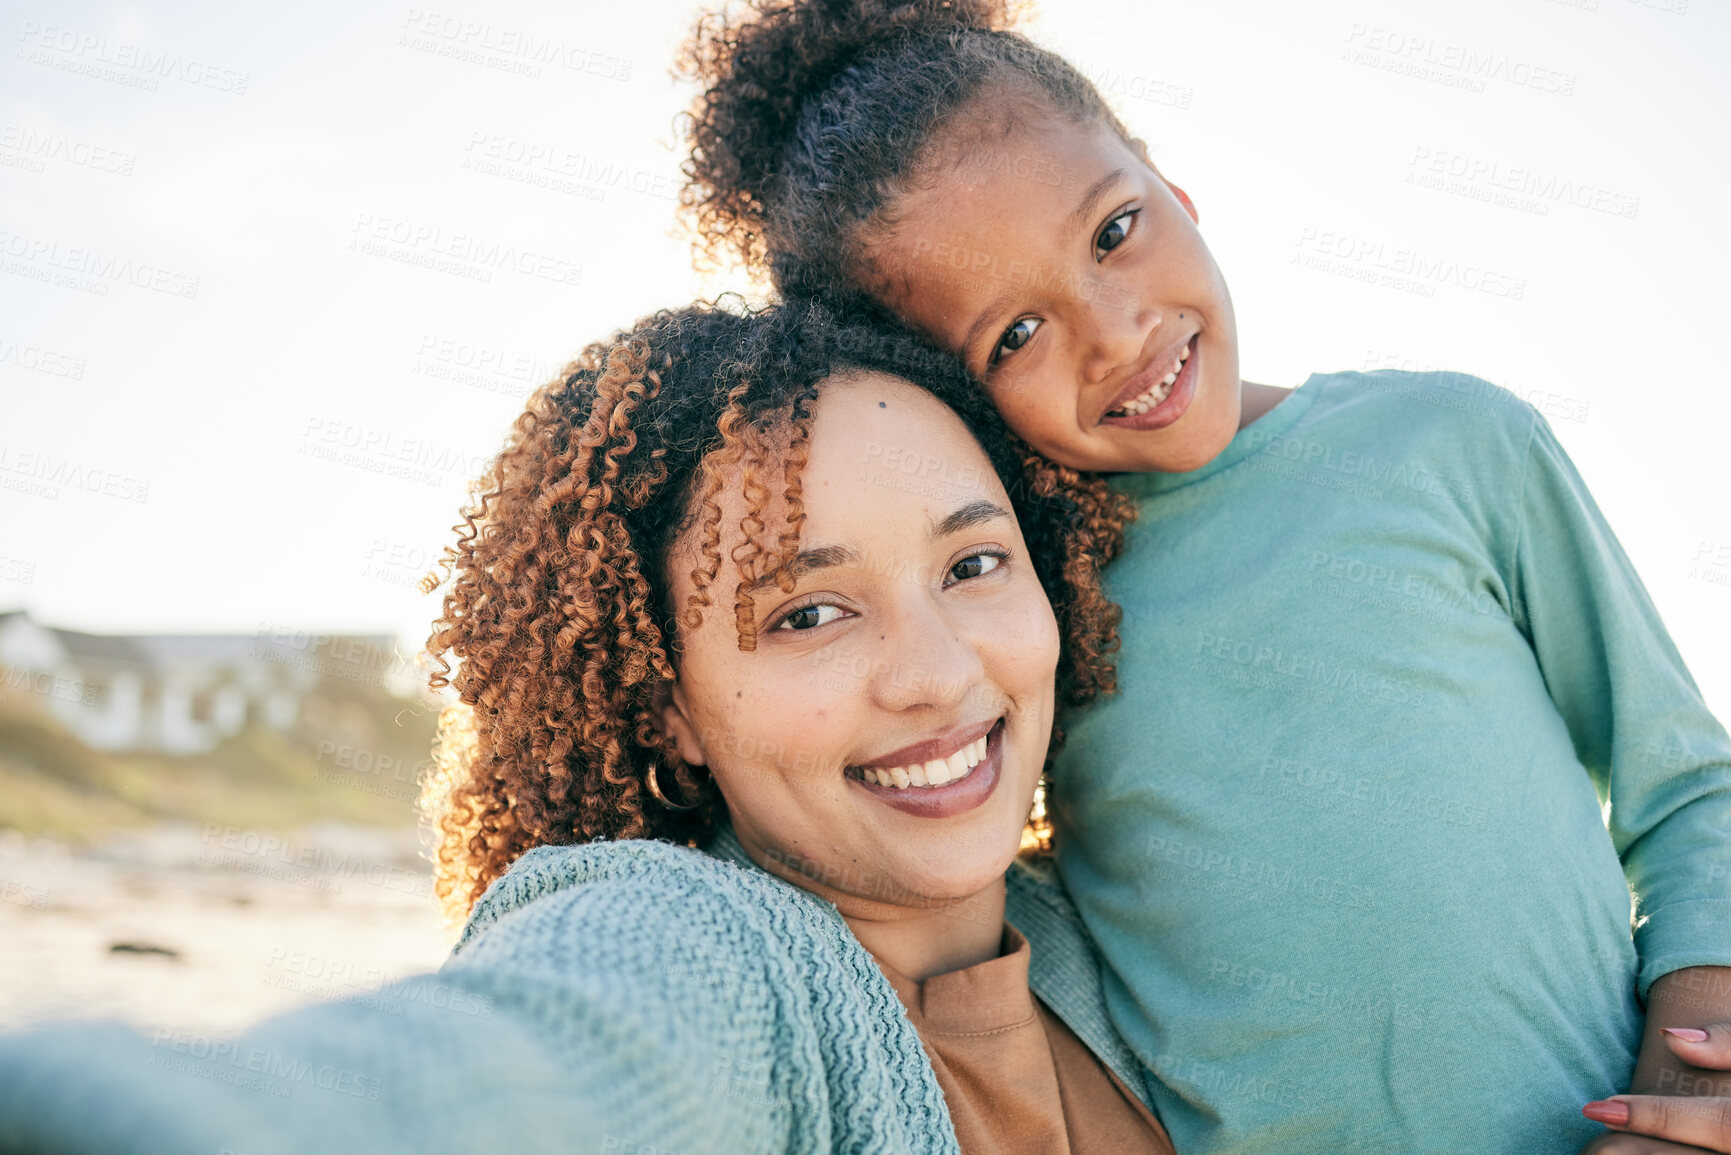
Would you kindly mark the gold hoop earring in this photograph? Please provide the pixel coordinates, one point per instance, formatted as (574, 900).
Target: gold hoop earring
(655, 789)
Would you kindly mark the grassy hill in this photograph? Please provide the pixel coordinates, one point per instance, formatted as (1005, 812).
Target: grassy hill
(354, 758)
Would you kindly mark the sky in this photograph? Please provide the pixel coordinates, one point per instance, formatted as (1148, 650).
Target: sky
(255, 338)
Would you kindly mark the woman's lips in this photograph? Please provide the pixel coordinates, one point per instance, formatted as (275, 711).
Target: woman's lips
(1175, 403)
(953, 797)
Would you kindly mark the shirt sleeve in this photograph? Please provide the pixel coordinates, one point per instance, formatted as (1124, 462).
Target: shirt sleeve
(1639, 724)
(525, 1057)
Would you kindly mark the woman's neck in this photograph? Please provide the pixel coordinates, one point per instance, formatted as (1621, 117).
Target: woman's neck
(923, 941)
(919, 939)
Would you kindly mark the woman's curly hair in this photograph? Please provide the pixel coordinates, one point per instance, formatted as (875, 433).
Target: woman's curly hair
(816, 116)
(558, 628)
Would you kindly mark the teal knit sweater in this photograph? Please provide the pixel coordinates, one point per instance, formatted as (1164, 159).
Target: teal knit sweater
(629, 997)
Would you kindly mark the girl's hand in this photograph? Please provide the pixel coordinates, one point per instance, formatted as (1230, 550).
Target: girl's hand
(1692, 1122)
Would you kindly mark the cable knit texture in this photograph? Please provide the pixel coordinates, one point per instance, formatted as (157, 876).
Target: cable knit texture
(631, 997)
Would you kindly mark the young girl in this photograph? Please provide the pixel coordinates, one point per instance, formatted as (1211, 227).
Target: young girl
(1341, 837)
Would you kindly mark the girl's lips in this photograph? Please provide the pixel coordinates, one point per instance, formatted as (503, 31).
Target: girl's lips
(953, 798)
(1176, 403)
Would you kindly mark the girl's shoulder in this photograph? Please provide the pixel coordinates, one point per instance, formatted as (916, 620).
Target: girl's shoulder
(1438, 401)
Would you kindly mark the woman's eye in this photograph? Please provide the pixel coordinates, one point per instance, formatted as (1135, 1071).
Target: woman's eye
(1016, 336)
(1114, 233)
(975, 565)
(809, 617)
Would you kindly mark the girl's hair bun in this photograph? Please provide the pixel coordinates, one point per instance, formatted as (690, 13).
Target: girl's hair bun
(759, 62)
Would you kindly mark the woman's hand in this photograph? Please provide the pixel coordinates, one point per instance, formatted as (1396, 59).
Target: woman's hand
(1690, 1120)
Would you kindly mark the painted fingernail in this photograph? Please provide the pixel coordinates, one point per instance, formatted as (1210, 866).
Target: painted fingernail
(1687, 1034)
(1609, 1112)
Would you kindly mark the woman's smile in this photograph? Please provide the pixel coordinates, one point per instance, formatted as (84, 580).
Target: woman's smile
(941, 785)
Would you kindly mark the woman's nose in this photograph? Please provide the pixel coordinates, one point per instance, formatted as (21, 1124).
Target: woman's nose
(926, 660)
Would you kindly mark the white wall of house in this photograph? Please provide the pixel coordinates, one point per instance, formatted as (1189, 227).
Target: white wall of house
(180, 695)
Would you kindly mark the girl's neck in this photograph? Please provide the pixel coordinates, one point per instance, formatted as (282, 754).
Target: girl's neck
(1256, 400)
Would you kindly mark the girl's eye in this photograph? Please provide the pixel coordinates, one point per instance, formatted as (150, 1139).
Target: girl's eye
(810, 617)
(1114, 233)
(1016, 336)
(975, 566)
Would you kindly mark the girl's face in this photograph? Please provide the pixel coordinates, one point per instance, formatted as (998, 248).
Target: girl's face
(916, 646)
(1070, 277)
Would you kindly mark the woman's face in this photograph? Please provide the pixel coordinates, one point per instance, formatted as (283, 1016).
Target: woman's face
(915, 646)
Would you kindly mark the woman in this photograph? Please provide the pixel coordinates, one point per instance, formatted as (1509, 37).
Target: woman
(748, 582)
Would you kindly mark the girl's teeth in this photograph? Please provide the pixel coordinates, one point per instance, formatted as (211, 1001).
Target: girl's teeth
(1160, 392)
(937, 772)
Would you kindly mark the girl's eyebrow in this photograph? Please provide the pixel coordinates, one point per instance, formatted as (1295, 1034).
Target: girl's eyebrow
(1091, 199)
(987, 318)
(1081, 215)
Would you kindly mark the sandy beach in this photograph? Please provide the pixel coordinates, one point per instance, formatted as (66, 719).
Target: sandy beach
(209, 928)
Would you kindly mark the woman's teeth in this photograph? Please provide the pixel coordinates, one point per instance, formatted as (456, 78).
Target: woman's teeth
(937, 772)
(1161, 390)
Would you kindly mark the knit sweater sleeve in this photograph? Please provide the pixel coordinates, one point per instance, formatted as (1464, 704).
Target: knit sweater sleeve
(602, 1018)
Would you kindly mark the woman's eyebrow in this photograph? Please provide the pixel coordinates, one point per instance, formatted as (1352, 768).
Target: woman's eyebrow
(825, 556)
(972, 514)
(804, 562)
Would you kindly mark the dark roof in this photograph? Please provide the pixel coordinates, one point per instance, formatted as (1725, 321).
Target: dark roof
(153, 650)
(102, 647)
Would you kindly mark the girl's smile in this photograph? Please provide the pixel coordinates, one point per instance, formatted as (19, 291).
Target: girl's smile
(1159, 394)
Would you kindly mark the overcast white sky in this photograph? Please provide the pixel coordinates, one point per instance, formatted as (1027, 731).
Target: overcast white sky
(215, 221)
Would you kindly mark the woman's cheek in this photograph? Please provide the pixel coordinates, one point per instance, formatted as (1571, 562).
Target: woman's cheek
(1041, 642)
(800, 712)
(1021, 641)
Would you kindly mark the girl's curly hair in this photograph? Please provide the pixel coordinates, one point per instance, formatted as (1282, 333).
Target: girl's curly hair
(558, 627)
(815, 116)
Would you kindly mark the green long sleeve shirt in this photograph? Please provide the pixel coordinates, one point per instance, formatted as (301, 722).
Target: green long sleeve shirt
(1398, 732)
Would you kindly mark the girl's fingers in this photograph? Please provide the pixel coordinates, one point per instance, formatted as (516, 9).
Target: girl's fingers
(1701, 1048)
(1699, 1122)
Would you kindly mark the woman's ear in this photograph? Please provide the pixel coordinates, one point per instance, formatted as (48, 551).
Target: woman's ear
(677, 723)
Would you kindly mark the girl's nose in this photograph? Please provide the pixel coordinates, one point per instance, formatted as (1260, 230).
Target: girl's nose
(1116, 331)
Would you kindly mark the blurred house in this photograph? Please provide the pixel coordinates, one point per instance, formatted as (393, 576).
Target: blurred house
(185, 693)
